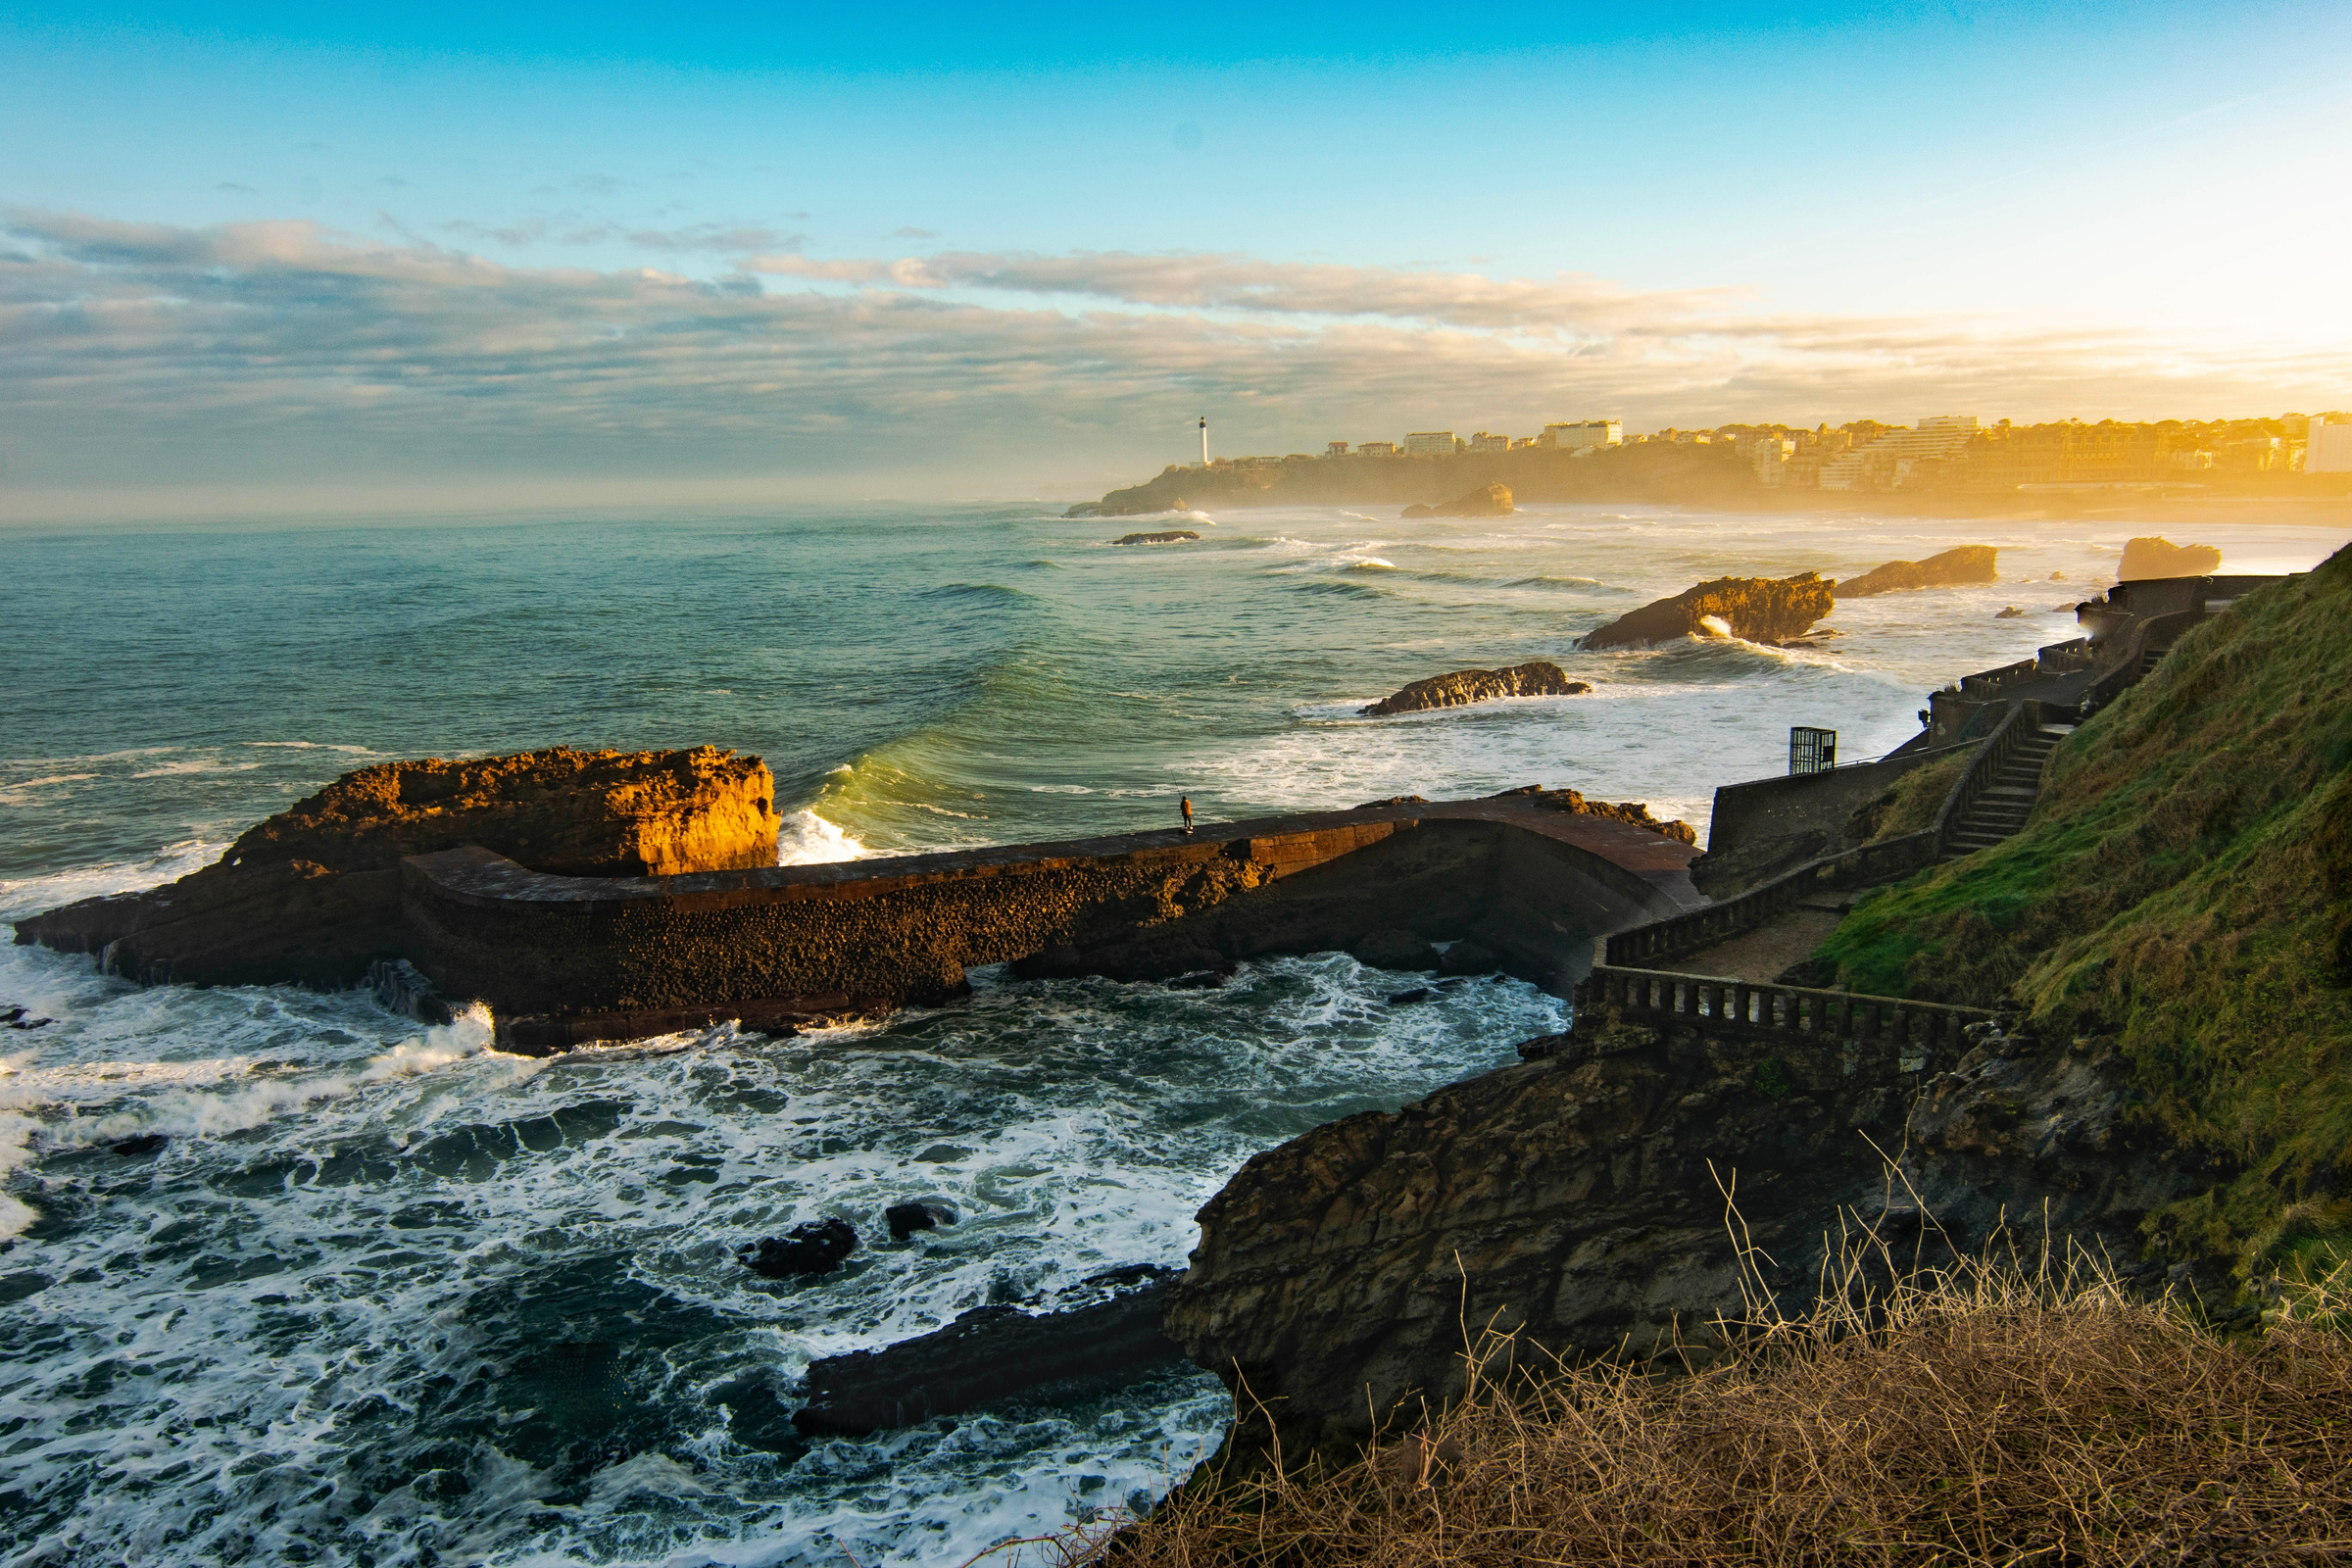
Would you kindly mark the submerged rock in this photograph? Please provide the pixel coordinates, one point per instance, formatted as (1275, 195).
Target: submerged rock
(1486, 501)
(1394, 950)
(1467, 956)
(1536, 678)
(1171, 536)
(1961, 564)
(2158, 557)
(904, 1219)
(1758, 609)
(311, 895)
(816, 1247)
(2008, 612)
(988, 1354)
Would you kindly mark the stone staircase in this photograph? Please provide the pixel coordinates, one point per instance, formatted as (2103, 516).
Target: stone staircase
(2149, 660)
(2001, 808)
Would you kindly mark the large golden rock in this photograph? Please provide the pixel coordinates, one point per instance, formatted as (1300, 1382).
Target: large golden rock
(1760, 610)
(1963, 564)
(313, 893)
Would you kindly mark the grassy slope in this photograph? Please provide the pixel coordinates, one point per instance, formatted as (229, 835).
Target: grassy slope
(2185, 886)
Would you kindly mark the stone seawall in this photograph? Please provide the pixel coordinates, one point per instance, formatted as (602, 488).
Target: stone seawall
(623, 955)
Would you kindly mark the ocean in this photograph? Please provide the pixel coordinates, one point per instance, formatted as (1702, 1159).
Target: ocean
(288, 1279)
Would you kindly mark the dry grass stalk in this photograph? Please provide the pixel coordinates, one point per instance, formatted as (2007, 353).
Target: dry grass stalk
(2006, 1411)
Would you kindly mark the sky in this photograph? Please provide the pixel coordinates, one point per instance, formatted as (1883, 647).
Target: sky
(264, 256)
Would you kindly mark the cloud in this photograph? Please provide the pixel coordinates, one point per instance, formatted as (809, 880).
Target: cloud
(570, 229)
(1567, 302)
(277, 350)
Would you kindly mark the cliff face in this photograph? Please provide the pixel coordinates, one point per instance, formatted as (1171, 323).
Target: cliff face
(1760, 610)
(1965, 563)
(1583, 1202)
(313, 893)
(1539, 678)
(2184, 890)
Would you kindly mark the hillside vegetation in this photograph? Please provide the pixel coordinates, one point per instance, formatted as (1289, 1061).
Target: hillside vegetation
(2184, 889)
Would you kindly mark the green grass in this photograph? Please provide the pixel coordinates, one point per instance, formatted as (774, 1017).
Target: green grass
(2184, 887)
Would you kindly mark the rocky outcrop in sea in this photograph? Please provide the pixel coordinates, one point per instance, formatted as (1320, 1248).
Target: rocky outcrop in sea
(1486, 501)
(1965, 563)
(1536, 678)
(1169, 537)
(1758, 609)
(311, 895)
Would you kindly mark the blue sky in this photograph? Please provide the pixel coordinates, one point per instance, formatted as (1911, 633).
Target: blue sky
(502, 250)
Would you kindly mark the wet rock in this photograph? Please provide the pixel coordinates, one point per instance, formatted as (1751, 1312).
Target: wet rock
(1634, 813)
(1199, 980)
(1964, 564)
(1486, 501)
(144, 1144)
(992, 1353)
(1759, 609)
(1469, 957)
(904, 1219)
(1536, 678)
(2158, 557)
(1407, 997)
(816, 1247)
(2009, 613)
(1394, 950)
(1578, 1197)
(311, 895)
(1395, 800)
(1171, 537)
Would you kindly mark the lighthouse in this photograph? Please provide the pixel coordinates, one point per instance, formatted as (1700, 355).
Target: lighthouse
(1205, 440)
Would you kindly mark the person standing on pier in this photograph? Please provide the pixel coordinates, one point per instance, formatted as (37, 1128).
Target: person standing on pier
(1187, 803)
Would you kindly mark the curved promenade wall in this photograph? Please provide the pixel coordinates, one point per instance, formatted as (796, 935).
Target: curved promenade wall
(561, 959)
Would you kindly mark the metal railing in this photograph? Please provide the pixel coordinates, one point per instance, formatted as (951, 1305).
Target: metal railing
(1915, 1032)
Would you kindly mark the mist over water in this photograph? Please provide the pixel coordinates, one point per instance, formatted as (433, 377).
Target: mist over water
(383, 1295)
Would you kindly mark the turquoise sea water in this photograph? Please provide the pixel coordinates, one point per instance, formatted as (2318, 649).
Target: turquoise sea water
(384, 1296)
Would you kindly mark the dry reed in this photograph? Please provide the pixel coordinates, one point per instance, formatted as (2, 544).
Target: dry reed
(2006, 1411)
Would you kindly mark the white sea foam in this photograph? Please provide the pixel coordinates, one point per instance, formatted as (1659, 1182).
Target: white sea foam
(808, 839)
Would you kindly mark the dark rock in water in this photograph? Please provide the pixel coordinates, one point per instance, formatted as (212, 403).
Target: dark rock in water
(904, 1219)
(816, 1247)
(1199, 980)
(311, 895)
(1536, 678)
(2158, 557)
(2009, 613)
(1469, 957)
(1486, 501)
(1395, 800)
(1394, 950)
(1407, 998)
(1172, 536)
(988, 1354)
(144, 1144)
(15, 1018)
(1965, 564)
(1758, 609)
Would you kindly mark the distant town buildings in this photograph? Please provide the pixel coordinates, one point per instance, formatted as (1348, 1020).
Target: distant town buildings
(2330, 449)
(1940, 452)
(1584, 433)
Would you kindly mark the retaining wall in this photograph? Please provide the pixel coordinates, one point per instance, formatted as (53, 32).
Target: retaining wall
(624, 957)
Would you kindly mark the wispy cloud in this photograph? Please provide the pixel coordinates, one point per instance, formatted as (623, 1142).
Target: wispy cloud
(156, 351)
